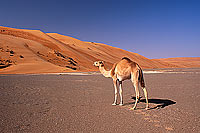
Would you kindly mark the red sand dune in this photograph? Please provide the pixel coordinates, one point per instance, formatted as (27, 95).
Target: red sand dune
(182, 62)
(33, 51)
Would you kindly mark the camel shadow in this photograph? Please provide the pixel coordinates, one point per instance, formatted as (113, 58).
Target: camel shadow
(160, 103)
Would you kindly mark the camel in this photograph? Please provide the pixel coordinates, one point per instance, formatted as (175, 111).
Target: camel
(123, 70)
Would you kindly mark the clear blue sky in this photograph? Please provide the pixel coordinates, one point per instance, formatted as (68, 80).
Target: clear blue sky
(152, 28)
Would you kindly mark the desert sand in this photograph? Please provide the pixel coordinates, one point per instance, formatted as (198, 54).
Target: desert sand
(33, 51)
(82, 103)
(182, 62)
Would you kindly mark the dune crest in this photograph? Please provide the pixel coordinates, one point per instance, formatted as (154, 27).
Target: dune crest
(33, 51)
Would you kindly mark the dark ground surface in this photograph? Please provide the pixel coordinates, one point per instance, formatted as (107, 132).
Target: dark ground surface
(68, 103)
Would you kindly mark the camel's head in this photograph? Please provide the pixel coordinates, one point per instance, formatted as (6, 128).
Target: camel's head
(98, 63)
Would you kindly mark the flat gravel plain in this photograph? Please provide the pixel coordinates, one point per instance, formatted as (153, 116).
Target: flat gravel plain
(82, 103)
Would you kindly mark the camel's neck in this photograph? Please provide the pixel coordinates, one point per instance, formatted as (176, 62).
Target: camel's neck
(104, 71)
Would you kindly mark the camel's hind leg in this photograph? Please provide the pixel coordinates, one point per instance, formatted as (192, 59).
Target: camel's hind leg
(115, 86)
(146, 96)
(120, 93)
(136, 85)
(135, 81)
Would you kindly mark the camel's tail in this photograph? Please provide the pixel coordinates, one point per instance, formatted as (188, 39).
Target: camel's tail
(141, 77)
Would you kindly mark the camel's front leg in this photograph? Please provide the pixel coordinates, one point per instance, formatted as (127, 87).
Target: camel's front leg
(120, 93)
(115, 86)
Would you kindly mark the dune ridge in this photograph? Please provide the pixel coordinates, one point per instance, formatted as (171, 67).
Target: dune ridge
(33, 51)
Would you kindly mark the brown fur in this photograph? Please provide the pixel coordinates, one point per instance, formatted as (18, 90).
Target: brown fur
(141, 78)
(112, 73)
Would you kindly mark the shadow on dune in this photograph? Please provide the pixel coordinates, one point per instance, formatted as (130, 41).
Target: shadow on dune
(160, 103)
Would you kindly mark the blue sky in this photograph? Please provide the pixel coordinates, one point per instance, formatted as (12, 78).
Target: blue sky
(152, 28)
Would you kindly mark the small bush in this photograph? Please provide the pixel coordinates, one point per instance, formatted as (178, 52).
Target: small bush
(12, 52)
(21, 56)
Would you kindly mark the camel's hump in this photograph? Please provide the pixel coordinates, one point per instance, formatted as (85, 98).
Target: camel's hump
(126, 58)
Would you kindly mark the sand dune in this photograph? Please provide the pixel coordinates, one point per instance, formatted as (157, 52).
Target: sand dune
(33, 51)
(182, 62)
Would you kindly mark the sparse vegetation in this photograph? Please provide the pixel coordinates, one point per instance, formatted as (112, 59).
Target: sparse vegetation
(59, 54)
(12, 52)
(73, 68)
(21, 56)
(5, 63)
(4, 66)
(40, 53)
(71, 62)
